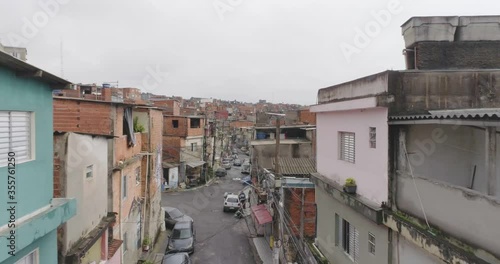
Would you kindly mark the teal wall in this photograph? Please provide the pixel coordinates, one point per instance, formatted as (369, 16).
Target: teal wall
(47, 249)
(34, 181)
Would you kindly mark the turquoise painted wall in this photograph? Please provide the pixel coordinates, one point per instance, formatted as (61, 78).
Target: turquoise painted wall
(34, 185)
(47, 250)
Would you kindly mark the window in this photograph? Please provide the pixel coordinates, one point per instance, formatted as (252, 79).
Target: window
(175, 123)
(125, 246)
(31, 258)
(347, 147)
(138, 175)
(373, 137)
(124, 187)
(15, 136)
(194, 123)
(89, 172)
(347, 237)
(371, 243)
(194, 146)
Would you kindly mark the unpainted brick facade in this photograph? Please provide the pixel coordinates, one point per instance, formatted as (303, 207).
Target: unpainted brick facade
(293, 202)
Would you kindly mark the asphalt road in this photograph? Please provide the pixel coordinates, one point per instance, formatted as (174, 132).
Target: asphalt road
(220, 237)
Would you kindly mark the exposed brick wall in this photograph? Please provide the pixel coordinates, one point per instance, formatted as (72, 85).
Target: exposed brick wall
(171, 149)
(293, 205)
(456, 55)
(306, 117)
(239, 124)
(59, 160)
(195, 131)
(82, 116)
(169, 130)
(123, 152)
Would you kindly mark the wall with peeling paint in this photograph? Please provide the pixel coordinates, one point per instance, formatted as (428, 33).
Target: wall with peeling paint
(406, 252)
(327, 207)
(449, 153)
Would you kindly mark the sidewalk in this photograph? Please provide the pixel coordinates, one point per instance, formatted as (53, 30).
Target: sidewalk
(155, 255)
(260, 246)
(210, 182)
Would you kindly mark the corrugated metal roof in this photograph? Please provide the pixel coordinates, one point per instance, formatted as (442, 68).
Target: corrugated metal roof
(297, 166)
(453, 114)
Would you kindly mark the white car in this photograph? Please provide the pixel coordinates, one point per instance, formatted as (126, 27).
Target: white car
(231, 202)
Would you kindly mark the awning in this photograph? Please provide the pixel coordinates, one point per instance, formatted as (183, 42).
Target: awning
(194, 164)
(453, 114)
(167, 165)
(261, 213)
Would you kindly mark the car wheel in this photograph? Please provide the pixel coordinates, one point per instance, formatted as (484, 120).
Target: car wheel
(224, 209)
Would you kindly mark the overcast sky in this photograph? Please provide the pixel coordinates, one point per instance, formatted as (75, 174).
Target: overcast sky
(279, 50)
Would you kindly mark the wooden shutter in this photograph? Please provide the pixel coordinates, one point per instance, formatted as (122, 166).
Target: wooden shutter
(347, 146)
(15, 135)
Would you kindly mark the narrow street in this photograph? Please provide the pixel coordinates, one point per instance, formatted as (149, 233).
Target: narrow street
(220, 237)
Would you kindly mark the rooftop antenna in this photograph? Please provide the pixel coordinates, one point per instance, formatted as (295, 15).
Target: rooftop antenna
(62, 60)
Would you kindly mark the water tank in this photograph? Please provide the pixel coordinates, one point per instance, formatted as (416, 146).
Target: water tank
(261, 135)
(106, 85)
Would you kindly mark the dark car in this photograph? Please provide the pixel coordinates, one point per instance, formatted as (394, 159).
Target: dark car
(182, 238)
(237, 162)
(173, 215)
(176, 258)
(220, 172)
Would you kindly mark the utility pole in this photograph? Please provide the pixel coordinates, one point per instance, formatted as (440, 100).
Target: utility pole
(277, 154)
(214, 134)
(302, 217)
(204, 155)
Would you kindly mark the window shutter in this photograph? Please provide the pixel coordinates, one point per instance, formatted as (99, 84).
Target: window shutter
(338, 235)
(352, 238)
(356, 245)
(4, 137)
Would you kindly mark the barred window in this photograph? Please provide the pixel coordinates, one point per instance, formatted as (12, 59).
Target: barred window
(373, 137)
(347, 147)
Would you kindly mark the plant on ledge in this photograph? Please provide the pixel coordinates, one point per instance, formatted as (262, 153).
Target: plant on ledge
(138, 128)
(146, 242)
(350, 186)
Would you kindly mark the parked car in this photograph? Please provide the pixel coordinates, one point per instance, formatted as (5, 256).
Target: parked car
(235, 151)
(235, 156)
(245, 168)
(173, 215)
(226, 165)
(221, 172)
(231, 202)
(176, 258)
(182, 238)
(237, 162)
(246, 180)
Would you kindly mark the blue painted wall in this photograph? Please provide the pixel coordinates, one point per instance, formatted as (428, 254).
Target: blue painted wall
(34, 185)
(47, 250)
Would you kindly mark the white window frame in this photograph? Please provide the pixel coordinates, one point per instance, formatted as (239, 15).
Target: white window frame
(347, 146)
(194, 146)
(36, 258)
(6, 136)
(373, 137)
(348, 243)
(89, 169)
(371, 243)
(137, 176)
(124, 187)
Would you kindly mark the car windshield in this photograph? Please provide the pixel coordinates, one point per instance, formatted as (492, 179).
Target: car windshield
(181, 233)
(175, 213)
(232, 200)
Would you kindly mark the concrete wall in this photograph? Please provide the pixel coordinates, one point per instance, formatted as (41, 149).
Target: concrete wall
(82, 151)
(327, 207)
(475, 216)
(187, 154)
(264, 154)
(449, 153)
(371, 164)
(405, 252)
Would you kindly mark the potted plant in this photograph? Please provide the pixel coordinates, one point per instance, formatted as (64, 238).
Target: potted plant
(350, 186)
(146, 243)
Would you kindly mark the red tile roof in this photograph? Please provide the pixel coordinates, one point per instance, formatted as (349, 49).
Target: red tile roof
(261, 213)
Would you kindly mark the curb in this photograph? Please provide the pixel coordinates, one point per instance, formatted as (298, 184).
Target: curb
(192, 189)
(256, 255)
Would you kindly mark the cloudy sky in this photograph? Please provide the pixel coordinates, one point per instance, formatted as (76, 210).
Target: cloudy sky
(279, 50)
